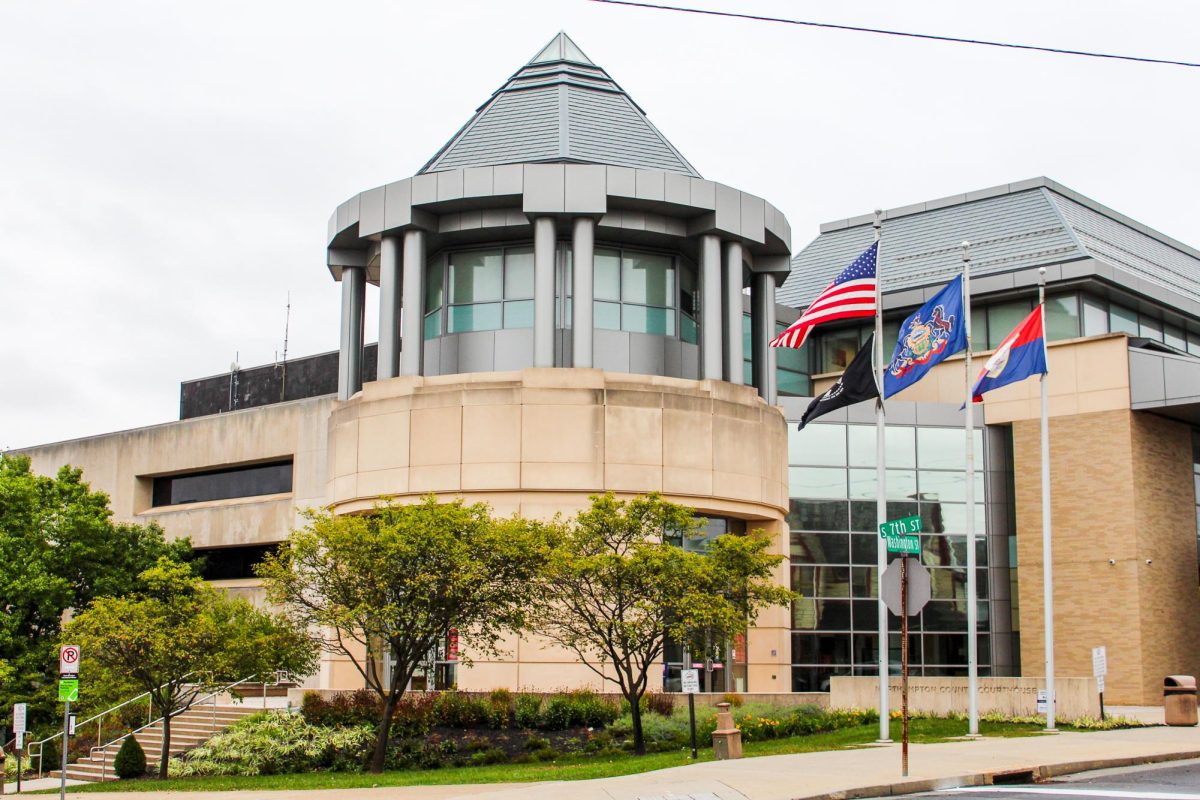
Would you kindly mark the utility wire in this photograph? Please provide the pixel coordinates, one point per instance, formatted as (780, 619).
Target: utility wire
(904, 34)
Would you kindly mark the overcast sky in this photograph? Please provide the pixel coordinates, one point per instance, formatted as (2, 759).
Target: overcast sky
(167, 168)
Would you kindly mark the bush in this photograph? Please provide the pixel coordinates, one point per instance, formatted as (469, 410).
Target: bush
(493, 755)
(344, 709)
(577, 709)
(536, 743)
(657, 703)
(527, 710)
(131, 760)
(455, 710)
(734, 700)
(276, 743)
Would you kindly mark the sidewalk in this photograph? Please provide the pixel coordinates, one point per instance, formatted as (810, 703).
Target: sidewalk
(836, 775)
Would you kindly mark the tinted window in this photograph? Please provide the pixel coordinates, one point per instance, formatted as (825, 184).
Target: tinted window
(224, 484)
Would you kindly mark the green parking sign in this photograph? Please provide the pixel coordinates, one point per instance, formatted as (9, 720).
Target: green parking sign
(68, 691)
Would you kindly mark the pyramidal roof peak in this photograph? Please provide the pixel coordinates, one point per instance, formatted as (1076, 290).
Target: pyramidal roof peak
(561, 107)
(561, 48)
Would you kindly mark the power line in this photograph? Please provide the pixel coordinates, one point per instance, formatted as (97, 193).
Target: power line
(904, 34)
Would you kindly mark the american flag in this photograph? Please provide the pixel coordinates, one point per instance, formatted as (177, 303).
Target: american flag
(852, 294)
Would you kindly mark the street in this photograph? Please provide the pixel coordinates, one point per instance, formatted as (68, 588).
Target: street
(1178, 780)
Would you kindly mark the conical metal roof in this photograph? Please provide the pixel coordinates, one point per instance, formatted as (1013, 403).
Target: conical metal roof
(560, 108)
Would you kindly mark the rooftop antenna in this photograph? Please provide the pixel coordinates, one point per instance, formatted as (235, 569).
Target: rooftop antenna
(287, 320)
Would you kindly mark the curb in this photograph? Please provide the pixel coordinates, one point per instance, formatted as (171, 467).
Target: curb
(1031, 774)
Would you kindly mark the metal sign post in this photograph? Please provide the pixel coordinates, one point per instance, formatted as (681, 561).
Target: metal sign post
(68, 690)
(1099, 670)
(690, 684)
(19, 714)
(906, 589)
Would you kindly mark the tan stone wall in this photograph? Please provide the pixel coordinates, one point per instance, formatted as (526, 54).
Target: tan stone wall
(119, 463)
(1077, 697)
(539, 441)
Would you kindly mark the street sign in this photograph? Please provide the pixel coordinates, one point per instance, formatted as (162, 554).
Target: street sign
(1099, 662)
(68, 690)
(919, 587)
(900, 527)
(19, 718)
(1100, 685)
(68, 661)
(21, 740)
(903, 544)
(690, 680)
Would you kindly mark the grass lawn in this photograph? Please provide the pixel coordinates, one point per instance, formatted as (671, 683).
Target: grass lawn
(572, 768)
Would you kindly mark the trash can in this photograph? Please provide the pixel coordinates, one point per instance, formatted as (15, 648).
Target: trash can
(1179, 700)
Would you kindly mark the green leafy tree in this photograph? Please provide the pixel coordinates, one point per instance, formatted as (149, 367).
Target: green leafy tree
(616, 590)
(181, 635)
(59, 550)
(393, 584)
(130, 761)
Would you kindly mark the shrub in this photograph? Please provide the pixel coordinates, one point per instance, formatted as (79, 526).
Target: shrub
(344, 709)
(455, 710)
(734, 700)
(414, 715)
(493, 755)
(546, 754)
(527, 710)
(536, 743)
(276, 743)
(580, 708)
(500, 710)
(658, 703)
(130, 761)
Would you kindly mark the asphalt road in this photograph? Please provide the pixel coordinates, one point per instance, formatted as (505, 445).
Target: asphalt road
(1179, 780)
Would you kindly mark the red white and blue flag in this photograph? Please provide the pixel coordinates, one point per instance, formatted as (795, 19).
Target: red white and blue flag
(1021, 355)
(852, 294)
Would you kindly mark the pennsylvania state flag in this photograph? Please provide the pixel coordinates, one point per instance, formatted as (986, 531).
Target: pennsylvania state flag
(933, 333)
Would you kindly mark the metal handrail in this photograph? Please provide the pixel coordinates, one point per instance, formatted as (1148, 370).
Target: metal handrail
(99, 720)
(193, 702)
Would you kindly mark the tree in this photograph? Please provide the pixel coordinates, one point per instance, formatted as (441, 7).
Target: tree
(162, 639)
(394, 583)
(130, 761)
(59, 550)
(615, 589)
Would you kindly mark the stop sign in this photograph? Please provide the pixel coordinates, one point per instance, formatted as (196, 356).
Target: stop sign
(918, 587)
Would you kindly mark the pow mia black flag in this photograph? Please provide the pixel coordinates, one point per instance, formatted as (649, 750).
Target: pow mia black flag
(856, 384)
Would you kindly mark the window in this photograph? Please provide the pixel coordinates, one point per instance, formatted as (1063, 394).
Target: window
(1003, 317)
(1062, 317)
(644, 293)
(223, 484)
(1095, 316)
(1122, 320)
(480, 290)
(1173, 337)
(838, 348)
(232, 563)
(1150, 328)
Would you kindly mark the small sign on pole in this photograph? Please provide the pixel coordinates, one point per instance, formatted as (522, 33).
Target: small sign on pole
(689, 680)
(68, 661)
(19, 710)
(1043, 701)
(1099, 670)
(68, 690)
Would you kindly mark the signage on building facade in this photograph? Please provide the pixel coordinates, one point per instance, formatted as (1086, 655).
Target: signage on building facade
(689, 681)
(900, 527)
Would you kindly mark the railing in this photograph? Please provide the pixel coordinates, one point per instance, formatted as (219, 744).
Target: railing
(99, 720)
(211, 697)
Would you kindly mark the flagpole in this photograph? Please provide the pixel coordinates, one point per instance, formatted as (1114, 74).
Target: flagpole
(1047, 559)
(972, 588)
(885, 734)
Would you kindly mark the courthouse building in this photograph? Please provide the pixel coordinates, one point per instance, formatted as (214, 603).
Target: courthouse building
(567, 307)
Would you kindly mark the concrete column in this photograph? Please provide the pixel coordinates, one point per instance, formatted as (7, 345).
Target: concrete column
(389, 307)
(711, 354)
(583, 240)
(543, 292)
(734, 355)
(350, 354)
(762, 331)
(413, 341)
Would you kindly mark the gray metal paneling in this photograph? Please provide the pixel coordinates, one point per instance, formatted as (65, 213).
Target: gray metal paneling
(1146, 383)
(647, 355)
(476, 351)
(690, 356)
(1007, 233)
(560, 110)
(514, 349)
(611, 350)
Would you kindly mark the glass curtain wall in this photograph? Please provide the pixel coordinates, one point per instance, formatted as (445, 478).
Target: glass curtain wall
(834, 538)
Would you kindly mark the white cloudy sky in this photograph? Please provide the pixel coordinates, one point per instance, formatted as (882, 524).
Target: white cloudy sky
(167, 168)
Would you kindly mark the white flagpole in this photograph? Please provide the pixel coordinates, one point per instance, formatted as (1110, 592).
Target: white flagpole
(881, 497)
(1047, 560)
(972, 589)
